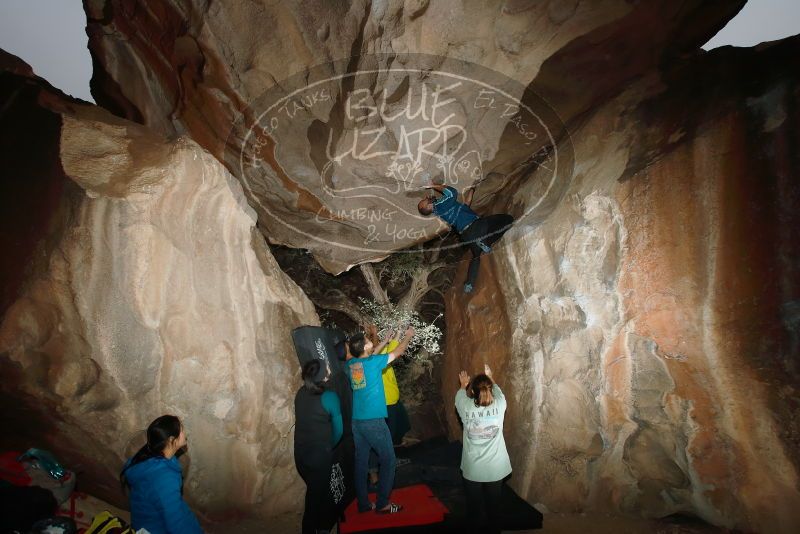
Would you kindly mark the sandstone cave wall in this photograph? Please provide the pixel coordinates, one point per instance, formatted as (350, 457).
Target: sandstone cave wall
(149, 291)
(647, 334)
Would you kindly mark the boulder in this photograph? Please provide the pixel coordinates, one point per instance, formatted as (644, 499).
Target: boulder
(645, 333)
(145, 289)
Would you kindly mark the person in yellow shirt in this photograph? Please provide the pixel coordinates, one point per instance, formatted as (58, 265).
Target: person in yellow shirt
(398, 417)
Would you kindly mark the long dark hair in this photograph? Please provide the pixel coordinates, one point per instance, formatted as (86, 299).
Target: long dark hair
(481, 389)
(341, 350)
(158, 434)
(310, 371)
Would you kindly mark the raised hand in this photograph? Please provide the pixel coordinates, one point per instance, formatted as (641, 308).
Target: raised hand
(401, 348)
(463, 377)
(371, 331)
(389, 335)
(468, 194)
(487, 371)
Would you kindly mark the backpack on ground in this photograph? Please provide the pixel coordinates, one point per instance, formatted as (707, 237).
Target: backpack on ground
(106, 523)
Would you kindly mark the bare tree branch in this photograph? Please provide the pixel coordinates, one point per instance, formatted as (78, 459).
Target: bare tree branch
(437, 290)
(335, 299)
(374, 283)
(419, 287)
(434, 254)
(382, 270)
(432, 304)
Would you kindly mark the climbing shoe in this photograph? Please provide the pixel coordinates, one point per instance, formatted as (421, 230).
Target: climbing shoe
(392, 509)
(371, 507)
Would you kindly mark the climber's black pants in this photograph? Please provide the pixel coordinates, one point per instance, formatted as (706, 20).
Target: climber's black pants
(487, 230)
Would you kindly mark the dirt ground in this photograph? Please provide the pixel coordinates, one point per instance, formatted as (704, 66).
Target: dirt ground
(553, 524)
(607, 524)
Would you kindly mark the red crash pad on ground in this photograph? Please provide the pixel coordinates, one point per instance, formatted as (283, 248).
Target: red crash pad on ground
(420, 507)
(12, 470)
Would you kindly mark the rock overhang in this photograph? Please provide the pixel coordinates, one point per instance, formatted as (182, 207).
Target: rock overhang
(210, 66)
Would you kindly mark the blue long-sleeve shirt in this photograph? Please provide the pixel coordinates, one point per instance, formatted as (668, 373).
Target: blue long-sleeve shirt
(453, 212)
(155, 498)
(330, 402)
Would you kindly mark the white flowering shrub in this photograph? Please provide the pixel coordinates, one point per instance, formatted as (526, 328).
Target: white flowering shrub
(389, 317)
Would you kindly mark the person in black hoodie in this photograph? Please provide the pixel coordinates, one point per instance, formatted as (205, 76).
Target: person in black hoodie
(318, 428)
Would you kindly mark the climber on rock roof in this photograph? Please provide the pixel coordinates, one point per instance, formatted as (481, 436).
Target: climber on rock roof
(478, 233)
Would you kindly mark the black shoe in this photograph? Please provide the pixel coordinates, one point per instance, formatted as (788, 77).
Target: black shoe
(364, 510)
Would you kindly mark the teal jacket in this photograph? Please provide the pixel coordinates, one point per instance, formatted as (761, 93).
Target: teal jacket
(155, 498)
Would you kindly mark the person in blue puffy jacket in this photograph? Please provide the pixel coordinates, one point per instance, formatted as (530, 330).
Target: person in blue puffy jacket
(153, 477)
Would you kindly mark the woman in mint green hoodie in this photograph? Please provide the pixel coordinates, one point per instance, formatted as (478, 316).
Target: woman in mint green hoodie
(484, 459)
